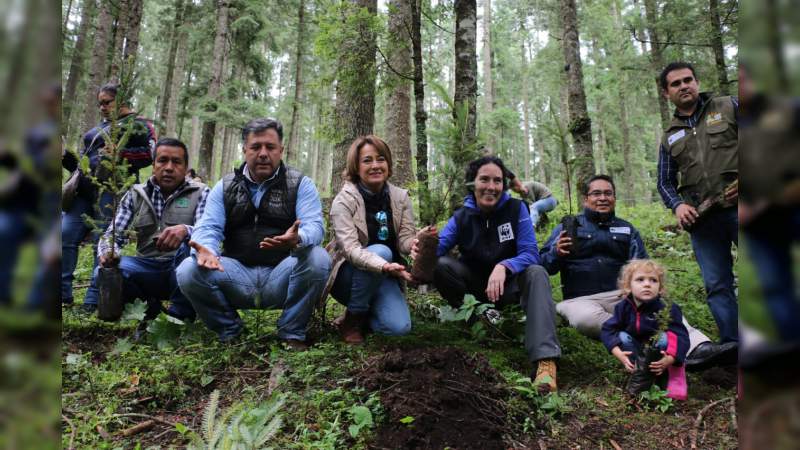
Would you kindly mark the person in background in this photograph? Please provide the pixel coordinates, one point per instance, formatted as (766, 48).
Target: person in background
(88, 200)
(540, 198)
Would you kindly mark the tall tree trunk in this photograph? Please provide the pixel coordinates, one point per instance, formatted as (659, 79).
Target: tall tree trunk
(76, 64)
(775, 41)
(580, 126)
(398, 104)
(66, 20)
(194, 148)
(656, 57)
(488, 80)
(97, 65)
(172, 62)
(466, 70)
(135, 10)
(427, 213)
(294, 133)
(119, 31)
(205, 158)
(355, 86)
(526, 122)
(719, 49)
(175, 86)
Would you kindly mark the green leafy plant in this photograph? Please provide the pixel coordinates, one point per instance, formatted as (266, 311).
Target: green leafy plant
(239, 427)
(361, 417)
(547, 407)
(135, 311)
(655, 398)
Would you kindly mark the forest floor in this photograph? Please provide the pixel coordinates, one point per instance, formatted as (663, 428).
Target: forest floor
(445, 385)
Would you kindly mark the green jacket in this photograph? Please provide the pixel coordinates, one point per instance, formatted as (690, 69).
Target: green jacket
(707, 152)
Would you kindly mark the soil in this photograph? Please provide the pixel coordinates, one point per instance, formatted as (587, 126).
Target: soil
(457, 400)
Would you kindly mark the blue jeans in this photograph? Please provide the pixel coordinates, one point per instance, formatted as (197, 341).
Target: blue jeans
(364, 291)
(153, 280)
(73, 231)
(541, 206)
(13, 231)
(770, 249)
(631, 344)
(711, 240)
(294, 285)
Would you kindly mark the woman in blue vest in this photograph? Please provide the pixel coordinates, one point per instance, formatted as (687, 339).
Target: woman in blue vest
(373, 223)
(499, 261)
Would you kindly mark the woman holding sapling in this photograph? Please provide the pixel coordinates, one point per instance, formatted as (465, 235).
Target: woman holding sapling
(499, 262)
(373, 224)
(648, 339)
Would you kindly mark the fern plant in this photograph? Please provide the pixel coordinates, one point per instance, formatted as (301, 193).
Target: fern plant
(239, 427)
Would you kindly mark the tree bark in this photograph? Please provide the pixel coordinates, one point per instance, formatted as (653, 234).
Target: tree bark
(719, 49)
(398, 104)
(97, 65)
(167, 101)
(526, 122)
(488, 80)
(119, 31)
(194, 148)
(580, 126)
(656, 57)
(466, 70)
(355, 87)
(420, 116)
(205, 158)
(136, 8)
(175, 86)
(294, 132)
(77, 63)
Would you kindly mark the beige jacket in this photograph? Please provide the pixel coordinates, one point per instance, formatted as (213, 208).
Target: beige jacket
(349, 224)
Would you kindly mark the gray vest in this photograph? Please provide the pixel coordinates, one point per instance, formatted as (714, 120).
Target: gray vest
(179, 209)
(246, 226)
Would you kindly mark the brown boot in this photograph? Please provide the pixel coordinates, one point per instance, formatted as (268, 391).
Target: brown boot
(546, 375)
(350, 327)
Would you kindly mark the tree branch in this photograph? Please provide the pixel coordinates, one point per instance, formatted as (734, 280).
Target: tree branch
(422, 11)
(666, 43)
(386, 60)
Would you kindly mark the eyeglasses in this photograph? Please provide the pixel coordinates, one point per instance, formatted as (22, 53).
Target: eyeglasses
(383, 231)
(597, 194)
(105, 102)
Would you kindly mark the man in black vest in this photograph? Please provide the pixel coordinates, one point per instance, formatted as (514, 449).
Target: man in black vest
(161, 212)
(267, 217)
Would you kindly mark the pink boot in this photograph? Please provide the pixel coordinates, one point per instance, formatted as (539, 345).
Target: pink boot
(676, 383)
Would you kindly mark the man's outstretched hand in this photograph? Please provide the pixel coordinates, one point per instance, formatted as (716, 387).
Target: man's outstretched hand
(287, 240)
(206, 258)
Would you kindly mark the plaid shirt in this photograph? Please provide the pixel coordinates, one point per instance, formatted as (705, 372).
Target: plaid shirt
(668, 166)
(125, 214)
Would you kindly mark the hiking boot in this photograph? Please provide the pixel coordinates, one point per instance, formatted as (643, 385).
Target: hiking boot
(710, 354)
(294, 345)
(350, 328)
(545, 377)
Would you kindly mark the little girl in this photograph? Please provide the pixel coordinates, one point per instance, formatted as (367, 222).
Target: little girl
(635, 322)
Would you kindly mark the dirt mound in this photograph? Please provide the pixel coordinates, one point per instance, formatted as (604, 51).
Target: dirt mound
(456, 400)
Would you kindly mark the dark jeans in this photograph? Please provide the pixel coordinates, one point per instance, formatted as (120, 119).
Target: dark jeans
(153, 280)
(530, 289)
(712, 239)
(769, 245)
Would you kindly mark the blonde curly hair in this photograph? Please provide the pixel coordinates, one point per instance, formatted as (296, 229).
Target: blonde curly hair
(645, 265)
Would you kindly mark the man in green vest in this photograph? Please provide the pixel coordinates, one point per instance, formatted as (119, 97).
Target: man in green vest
(698, 170)
(161, 212)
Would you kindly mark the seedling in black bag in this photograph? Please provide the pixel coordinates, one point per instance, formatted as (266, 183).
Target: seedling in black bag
(569, 224)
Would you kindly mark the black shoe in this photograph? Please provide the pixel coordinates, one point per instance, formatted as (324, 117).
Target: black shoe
(87, 309)
(710, 354)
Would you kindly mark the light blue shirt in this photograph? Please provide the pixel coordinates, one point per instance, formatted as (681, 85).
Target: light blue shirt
(210, 230)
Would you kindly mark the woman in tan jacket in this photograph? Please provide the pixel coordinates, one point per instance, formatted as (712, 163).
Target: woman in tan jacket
(373, 223)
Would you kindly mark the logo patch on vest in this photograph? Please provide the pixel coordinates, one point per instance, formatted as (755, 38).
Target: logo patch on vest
(182, 202)
(620, 230)
(673, 138)
(713, 119)
(505, 232)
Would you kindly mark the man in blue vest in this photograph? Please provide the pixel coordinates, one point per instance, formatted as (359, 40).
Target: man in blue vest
(590, 266)
(161, 212)
(267, 217)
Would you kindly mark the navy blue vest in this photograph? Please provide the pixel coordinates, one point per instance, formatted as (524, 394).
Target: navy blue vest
(484, 241)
